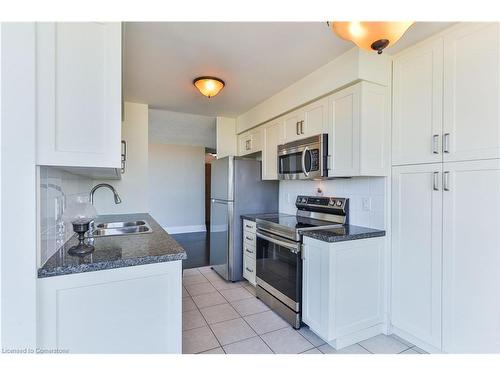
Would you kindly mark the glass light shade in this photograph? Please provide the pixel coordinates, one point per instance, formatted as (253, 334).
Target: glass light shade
(371, 36)
(209, 86)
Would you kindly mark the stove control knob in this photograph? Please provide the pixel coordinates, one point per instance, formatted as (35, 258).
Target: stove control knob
(331, 202)
(339, 203)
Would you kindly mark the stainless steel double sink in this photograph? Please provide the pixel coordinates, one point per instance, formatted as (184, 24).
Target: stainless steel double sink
(120, 228)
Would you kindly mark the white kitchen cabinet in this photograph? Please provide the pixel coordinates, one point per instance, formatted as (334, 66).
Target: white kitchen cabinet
(472, 92)
(359, 131)
(417, 251)
(272, 137)
(418, 104)
(307, 121)
(249, 251)
(343, 288)
(124, 310)
(78, 69)
(250, 142)
(471, 257)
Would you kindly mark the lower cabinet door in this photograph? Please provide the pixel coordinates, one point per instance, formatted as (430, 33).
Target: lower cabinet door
(315, 287)
(417, 251)
(471, 257)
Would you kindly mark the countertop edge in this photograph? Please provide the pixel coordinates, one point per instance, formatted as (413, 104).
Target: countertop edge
(103, 266)
(331, 238)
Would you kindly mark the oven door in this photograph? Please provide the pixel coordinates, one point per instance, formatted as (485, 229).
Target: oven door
(279, 268)
(304, 159)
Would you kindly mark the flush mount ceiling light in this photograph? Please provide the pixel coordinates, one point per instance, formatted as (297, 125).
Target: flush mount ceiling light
(371, 36)
(209, 86)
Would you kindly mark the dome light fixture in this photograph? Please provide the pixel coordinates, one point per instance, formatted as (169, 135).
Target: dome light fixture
(371, 36)
(209, 86)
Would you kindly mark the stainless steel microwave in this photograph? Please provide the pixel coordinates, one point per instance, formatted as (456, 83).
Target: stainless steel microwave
(305, 159)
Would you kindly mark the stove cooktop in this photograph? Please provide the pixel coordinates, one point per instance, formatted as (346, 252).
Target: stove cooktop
(289, 225)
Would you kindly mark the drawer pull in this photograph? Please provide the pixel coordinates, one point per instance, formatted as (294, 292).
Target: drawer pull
(249, 270)
(248, 251)
(249, 238)
(248, 226)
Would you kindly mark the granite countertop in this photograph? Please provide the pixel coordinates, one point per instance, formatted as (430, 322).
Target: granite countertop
(344, 233)
(116, 251)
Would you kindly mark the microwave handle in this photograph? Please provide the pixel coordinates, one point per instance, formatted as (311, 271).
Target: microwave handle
(306, 172)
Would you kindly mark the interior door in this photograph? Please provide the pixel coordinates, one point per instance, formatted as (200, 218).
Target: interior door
(417, 251)
(220, 232)
(418, 105)
(472, 92)
(471, 257)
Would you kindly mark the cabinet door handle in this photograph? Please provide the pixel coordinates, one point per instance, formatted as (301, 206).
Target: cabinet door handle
(435, 142)
(297, 128)
(446, 143)
(302, 127)
(436, 181)
(249, 270)
(446, 181)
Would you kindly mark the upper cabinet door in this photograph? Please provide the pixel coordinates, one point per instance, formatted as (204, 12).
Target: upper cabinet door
(418, 104)
(472, 93)
(79, 94)
(471, 257)
(314, 118)
(291, 123)
(343, 140)
(272, 136)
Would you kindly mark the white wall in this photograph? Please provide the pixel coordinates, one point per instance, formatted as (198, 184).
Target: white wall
(177, 187)
(356, 189)
(133, 185)
(18, 192)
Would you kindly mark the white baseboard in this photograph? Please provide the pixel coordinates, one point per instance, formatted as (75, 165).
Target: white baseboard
(185, 229)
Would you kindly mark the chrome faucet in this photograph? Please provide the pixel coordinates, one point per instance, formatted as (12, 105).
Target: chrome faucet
(118, 200)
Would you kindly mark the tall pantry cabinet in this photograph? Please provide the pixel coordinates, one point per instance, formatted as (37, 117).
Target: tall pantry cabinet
(446, 191)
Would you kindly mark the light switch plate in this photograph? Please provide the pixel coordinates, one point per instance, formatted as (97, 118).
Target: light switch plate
(366, 204)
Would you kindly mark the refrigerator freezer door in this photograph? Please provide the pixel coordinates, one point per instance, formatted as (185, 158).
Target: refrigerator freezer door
(223, 179)
(221, 237)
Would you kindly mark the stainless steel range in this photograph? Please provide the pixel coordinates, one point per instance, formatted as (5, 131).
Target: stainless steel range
(279, 245)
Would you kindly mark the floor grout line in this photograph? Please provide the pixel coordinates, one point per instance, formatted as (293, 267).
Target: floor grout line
(240, 316)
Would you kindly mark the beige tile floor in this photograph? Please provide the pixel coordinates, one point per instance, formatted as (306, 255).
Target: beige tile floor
(223, 317)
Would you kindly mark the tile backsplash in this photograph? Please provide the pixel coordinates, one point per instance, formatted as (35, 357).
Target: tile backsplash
(370, 190)
(58, 188)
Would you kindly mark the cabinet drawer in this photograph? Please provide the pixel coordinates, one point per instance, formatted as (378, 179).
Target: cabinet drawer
(249, 249)
(249, 226)
(249, 269)
(249, 237)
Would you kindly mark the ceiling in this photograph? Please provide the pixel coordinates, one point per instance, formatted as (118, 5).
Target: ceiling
(255, 59)
(178, 128)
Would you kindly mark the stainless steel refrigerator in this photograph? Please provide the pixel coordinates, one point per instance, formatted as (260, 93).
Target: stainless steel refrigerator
(236, 189)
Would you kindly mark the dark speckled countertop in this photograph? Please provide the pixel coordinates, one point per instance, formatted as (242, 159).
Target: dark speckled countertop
(344, 233)
(116, 251)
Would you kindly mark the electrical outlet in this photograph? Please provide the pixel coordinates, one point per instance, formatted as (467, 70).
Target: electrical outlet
(366, 204)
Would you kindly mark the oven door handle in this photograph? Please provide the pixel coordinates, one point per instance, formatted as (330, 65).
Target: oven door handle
(306, 172)
(294, 247)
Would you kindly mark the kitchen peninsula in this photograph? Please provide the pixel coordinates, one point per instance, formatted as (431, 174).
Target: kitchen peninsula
(125, 297)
